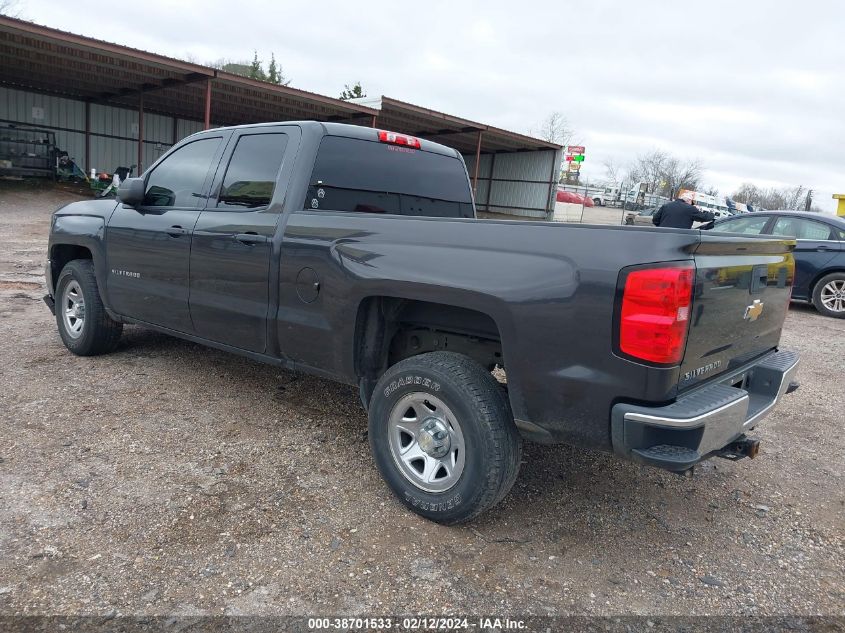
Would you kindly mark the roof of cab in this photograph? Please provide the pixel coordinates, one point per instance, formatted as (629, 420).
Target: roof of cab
(834, 220)
(338, 129)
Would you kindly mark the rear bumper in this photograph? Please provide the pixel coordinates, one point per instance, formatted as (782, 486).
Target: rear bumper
(704, 422)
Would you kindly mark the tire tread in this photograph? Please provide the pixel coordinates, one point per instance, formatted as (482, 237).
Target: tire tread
(817, 293)
(106, 331)
(502, 440)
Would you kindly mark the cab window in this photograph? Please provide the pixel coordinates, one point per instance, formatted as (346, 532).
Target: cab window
(251, 174)
(179, 180)
(801, 229)
(748, 225)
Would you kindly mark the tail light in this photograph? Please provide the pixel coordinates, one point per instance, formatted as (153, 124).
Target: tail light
(399, 139)
(655, 313)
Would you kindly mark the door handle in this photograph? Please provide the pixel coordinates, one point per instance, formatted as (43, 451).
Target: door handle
(251, 238)
(176, 231)
(823, 248)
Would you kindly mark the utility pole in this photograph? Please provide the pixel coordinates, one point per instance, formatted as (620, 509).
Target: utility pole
(809, 203)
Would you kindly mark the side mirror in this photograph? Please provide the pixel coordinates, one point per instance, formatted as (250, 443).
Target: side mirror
(131, 192)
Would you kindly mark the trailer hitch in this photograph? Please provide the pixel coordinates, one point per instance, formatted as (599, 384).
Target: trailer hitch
(741, 447)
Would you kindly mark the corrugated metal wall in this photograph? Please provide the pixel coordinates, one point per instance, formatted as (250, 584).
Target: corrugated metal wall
(114, 131)
(513, 184)
(519, 183)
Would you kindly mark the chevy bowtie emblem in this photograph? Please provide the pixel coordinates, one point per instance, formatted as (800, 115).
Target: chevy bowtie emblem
(753, 311)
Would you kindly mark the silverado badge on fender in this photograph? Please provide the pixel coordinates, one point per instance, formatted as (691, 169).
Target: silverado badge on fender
(753, 311)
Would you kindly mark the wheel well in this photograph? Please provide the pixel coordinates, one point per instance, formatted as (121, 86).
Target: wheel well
(388, 330)
(818, 277)
(61, 254)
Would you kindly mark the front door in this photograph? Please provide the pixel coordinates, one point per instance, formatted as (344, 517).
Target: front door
(232, 244)
(148, 247)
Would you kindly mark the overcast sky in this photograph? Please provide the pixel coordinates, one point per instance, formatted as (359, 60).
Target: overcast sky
(753, 88)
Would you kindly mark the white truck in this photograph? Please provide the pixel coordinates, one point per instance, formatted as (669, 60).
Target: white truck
(635, 198)
(717, 205)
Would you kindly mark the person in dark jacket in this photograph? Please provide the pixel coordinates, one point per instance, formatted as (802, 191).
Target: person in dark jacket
(680, 214)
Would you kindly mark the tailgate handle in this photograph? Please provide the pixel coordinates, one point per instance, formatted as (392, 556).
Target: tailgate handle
(759, 278)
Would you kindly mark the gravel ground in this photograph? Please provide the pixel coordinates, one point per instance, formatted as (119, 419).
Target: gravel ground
(167, 478)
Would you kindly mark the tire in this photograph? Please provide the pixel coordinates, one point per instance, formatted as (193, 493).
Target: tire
(829, 295)
(87, 330)
(597, 202)
(443, 437)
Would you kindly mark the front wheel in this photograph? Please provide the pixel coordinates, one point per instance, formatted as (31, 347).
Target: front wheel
(84, 325)
(443, 437)
(829, 295)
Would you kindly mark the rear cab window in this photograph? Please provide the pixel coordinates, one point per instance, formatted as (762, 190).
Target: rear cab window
(362, 176)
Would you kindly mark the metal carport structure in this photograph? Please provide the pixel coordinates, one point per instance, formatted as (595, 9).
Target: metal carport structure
(104, 99)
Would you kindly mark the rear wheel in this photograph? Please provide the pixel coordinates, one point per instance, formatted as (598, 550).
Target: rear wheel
(829, 295)
(443, 437)
(84, 325)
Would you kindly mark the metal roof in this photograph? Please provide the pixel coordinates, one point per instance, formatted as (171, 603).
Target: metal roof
(52, 61)
(459, 133)
(57, 62)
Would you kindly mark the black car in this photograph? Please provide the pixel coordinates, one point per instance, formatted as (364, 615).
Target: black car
(819, 255)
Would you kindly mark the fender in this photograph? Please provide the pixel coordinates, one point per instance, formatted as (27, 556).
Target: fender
(415, 272)
(82, 224)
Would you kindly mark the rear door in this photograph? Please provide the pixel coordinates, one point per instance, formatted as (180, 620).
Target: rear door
(816, 247)
(233, 238)
(742, 292)
(148, 247)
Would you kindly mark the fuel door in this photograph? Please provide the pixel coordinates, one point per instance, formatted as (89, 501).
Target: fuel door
(307, 285)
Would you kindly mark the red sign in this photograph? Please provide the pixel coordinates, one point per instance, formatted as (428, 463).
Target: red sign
(575, 149)
(569, 159)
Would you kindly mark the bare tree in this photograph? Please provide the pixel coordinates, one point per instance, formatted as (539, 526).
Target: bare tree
(11, 8)
(794, 197)
(555, 129)
(665, 174)
(791, 198)
(680, 174)
(612, 171)
(711, 191)
(748, 193)
(649, 168)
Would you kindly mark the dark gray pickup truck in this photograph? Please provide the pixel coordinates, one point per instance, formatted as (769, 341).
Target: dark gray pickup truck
(354, 254)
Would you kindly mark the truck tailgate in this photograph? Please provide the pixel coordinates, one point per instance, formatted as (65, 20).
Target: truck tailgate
(742, 292)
